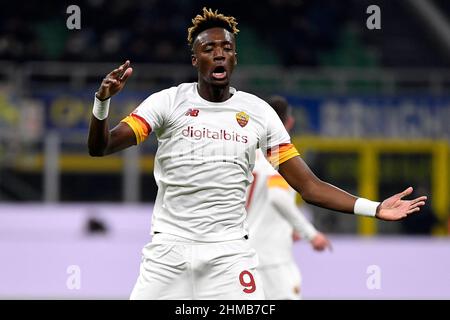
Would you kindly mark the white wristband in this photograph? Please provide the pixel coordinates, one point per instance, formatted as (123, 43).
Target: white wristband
(365, 207)
(101, 108)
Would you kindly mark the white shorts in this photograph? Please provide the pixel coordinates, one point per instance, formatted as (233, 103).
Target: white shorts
(177, 268)
(281, 281)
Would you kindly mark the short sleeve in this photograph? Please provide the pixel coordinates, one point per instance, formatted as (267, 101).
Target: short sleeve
(150, 115)
(276, 142)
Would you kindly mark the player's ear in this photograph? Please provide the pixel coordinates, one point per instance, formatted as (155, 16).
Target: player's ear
(235, 58)
(194, 60)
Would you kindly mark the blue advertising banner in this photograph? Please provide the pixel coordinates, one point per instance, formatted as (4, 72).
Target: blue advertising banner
(358, 116)
(350, 116)
(72, 111)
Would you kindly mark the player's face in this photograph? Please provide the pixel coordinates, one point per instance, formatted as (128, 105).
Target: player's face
(215, 56)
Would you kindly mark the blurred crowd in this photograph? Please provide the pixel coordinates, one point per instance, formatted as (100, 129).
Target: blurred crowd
(287, 32)
(155, 31)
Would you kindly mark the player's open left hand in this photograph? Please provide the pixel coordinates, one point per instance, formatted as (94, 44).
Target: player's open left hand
(114, 81)
(395, 208)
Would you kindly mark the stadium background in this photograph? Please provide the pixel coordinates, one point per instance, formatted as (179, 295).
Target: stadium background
(372, 110)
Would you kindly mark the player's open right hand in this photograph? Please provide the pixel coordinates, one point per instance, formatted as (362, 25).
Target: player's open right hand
(114, 81)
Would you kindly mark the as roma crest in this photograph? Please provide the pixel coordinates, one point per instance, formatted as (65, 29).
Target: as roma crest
(242, 118)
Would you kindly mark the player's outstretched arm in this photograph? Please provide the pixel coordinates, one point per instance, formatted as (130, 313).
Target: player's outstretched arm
(317, 192)
(101, 140)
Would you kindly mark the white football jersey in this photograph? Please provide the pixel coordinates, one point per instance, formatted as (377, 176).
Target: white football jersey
(205, 158)
(273, 215)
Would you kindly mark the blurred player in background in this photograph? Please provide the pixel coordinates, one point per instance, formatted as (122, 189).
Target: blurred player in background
(207, 134)
(275, 222)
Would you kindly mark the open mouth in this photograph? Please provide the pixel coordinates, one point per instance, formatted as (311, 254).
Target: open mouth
(219, 73)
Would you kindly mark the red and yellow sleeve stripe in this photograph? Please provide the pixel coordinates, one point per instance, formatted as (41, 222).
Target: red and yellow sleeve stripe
(140, 127)
(277, 181)
(281, 153)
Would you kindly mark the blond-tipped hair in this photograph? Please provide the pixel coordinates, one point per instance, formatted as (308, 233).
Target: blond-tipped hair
(210, 19)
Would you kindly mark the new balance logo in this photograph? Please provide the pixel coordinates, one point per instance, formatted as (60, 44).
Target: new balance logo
(192, 112)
